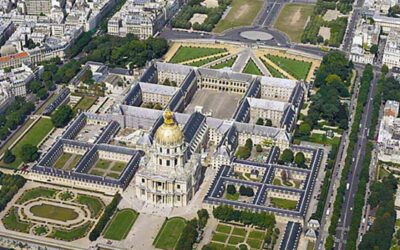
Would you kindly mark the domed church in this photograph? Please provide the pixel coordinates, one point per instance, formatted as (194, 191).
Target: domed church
(168, 174)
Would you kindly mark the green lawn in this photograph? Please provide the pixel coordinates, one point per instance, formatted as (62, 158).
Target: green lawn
(227, 63)
(251, 68)
(36, 193)
(293, 18)
(62, 160)
(103, 164)
(253, 243)
(239, 231)
(274, 73)
(97, 172)
(118, 166)
(94, 204)
(34, 136)
(256, 234)
(121, 224)
(170, 233)
(232, 197)
(223, 229)
(85, 103)
(323, 139)
(234, 240)
(277, 182)
(297, 69)
(113, 175)
(220, 237)
(54, 212)
(242, 13)
(11, 222)
(189, 53)
(310, 245)
(205, 61)
(283, 203)
(70, 235)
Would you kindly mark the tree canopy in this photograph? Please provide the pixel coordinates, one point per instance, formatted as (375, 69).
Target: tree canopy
(62, 116)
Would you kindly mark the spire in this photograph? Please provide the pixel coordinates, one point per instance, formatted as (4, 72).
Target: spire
(168, 117)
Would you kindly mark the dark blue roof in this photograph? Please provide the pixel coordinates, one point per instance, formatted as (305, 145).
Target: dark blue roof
(193, 125)
(291, 236)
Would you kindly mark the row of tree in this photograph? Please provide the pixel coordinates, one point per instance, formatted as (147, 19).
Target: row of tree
(14, 115)
(228, 213)
(288, 156)
(191, 231)
(362, 99)
(265, 122)
(108, 212)
(62, 116)
(10, 184)
(243, 190)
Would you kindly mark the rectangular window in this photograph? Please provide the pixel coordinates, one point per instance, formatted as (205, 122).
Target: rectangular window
(143, 181)
(168, 163)
(160, 161)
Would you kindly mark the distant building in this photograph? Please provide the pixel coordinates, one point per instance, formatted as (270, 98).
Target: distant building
(389, 134)
(391, 54)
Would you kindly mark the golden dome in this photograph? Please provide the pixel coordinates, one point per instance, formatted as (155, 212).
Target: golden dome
(169, 133)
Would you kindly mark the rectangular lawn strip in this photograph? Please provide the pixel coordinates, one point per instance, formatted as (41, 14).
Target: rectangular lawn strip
(234, 240)
(85, 103)
(34, 136)
(297, 69)
(121, 224)
(36, 193)
(253, 243)
(74, 162)
(70, 235)
(94, 204)
(11, 222)
(274, 73)
(239, 231)
(293, 18)
(62, 160)
(227, 63)
(284, 203)
(251, 68)
(119, 166)
(113, 175)
(256, 234)
(205, 61)
(97, 172)
(242, 13)
(190, 53)
(220, 237)
(170, 233)
(223, 229)
(103, 164)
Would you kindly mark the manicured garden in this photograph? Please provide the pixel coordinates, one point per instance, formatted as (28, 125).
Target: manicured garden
(85, 103)
(296, 68)
(251, 68)
(227, 63)
(11, 222)
(94, 204)
(70, 235)
(121, 224)
(205, 61)
(184, 53)
(33, 137)
(274, 72)
(170, 233)
(283, 203)
(36, 193)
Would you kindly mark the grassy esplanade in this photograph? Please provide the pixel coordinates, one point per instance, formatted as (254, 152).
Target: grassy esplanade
(242, 13)
(34, 136)
(184, 53)
(293, 19)
(296, 68)
(54, 212)
(121, 224)
(85, 103)
(170, 233)
(251, 68)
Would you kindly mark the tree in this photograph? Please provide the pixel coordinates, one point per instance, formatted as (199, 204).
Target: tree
(8, 156)
(249, 144)
(260, 121)
(203, 217)
(246, 191)
(231, 189)
(268, 122)
(42, 93)
(384, 69)
(329, 242)
(29, 153)
(158, 106)
(374, 49)
(300, 159)
(284, 176)
(243, 153)
(305, 129)
(287, 156)
(62, 116)
(259, 148)
(34, 86)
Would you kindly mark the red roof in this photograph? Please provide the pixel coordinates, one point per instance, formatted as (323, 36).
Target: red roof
(13, 56)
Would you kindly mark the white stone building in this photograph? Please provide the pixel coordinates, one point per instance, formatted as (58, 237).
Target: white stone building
(389, 134)
(391, 54)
